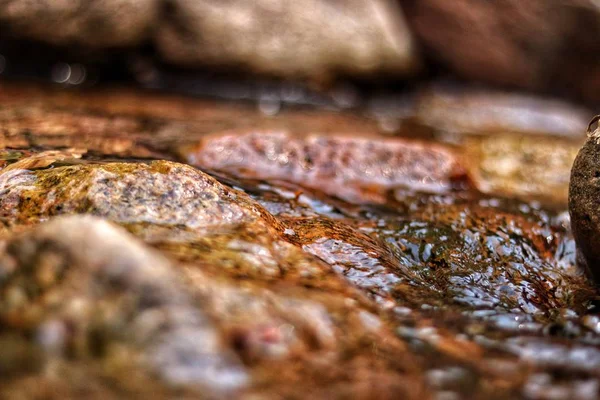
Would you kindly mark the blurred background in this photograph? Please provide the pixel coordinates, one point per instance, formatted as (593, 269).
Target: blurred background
(211, 47)
(495, 76)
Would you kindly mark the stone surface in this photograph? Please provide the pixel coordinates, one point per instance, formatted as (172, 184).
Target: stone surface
(523, 166)
(304, 313)
(584, 190)
(543, 46)
(454, 111)
(535, 45)
(98, 23)
(355, 169)
(308, 38)
(161, 193)
(86, 288)
(277, 280)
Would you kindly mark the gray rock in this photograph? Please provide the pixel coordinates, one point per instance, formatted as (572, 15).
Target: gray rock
(459, 110)
(315, 38)
(86, 286)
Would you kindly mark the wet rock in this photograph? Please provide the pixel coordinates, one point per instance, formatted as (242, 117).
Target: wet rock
(537, 45)
(272, 303)
(352, 168)
(125, 123)
(229, 236)
(288, 333)
(455, 294)
(161, 193)
(295, 39)
(482, 256)
(53, 128)
(101, 23)
(86, 287)
(522, 166)
(584, 191)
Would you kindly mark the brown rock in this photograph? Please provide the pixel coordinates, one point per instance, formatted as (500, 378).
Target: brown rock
(535, 44)
(43, 159)
(288, 315)
(584, 192)
(98, 23)
(446, 295)
(127, 123)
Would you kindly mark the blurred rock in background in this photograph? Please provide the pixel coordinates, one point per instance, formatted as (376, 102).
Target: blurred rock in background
(99, 24)
(308, 38)
(543, 46)
(536, 44)
(311, 39)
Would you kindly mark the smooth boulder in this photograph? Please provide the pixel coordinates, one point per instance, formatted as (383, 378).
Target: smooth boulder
(584, 206)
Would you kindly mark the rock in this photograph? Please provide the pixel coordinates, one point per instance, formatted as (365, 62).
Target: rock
(273, 304)
(289, 40)
(131, 124)
(161, 193)
(98, 23)
(522, 166)
(453, 111)
(310, 38)
(118, 136)
(85, 286)
(584, 192)
(483, 256)
(42, 160)
(512, 144)
(286, 333)
(265, 271)
(352, 168)
(534, 45)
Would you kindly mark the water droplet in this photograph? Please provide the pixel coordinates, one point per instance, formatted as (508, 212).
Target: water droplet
(61, 73)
